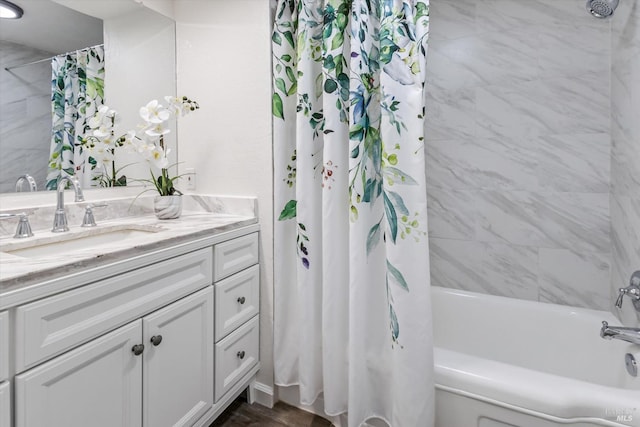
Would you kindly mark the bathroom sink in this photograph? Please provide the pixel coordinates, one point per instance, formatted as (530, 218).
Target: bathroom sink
(86, 240)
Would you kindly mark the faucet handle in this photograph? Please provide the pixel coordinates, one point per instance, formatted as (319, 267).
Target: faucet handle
(635, 279)
(632, 291)
(24, 228)
(89, 220)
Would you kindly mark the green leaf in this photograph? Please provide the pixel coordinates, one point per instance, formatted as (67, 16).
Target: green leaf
(337, 41)
(277, 106)
(286, 58)
(356, 133)
(342, 21)
(369, 189)
(329, 63)
(289, 36)
(280, 85)
(330, 86)
(397, 276)
(355, 152)
(397, 173)
(292, 90)
(289, 211)
(121, 182)
(276, 38)
(373, 238)
(398, 202)
(392, 217)
(319, 85)
(393, 323)
(421, 10)
(289, 71)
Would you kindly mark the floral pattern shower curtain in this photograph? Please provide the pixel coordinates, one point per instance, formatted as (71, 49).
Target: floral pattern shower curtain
(352, 301)
(77, 90)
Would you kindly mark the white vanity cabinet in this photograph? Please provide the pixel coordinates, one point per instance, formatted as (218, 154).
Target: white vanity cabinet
(158, 369)
(162, 344)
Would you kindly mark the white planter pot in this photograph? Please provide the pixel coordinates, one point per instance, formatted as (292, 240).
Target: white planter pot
(167, 207)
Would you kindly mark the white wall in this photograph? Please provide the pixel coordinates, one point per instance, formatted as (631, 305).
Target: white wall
(518, 149)
(224, 62)
(139, 68)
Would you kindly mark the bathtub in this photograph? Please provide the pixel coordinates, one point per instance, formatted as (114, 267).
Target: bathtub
(502, 362)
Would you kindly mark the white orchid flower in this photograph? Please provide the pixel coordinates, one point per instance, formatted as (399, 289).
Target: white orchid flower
(158, 129)
(158, 157)
(130, 137)
(102, 153)
(102, 132)
(154, 112)
(175, 105)
(98, 118)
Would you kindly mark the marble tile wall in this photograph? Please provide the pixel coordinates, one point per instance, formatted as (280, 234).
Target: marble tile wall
(519, 150)
(24, 104)
(625, 153)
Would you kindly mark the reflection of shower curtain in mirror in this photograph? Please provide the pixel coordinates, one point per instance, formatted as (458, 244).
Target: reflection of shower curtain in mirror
(77, 90)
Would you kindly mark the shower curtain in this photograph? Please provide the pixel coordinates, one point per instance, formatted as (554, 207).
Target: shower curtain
(77, 91)
(352, 303)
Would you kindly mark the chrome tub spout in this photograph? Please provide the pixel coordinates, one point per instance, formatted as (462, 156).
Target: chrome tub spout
(631, 335)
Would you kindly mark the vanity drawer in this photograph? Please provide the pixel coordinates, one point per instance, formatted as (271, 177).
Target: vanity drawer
(4, 345)
(236, 355)
(235, 255)
(237, 300)
(5, 404)
(52, 325)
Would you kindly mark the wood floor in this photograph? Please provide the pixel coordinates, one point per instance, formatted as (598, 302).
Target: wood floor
(242, 414)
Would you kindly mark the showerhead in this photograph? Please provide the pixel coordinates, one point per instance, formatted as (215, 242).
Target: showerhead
(602, 8)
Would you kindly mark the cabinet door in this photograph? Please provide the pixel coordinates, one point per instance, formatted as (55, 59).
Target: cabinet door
(5, 404)
(97, 384)
(4, 346)
(178, 367)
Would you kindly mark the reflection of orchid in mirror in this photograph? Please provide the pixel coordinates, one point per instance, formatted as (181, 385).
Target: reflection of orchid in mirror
(101, 143)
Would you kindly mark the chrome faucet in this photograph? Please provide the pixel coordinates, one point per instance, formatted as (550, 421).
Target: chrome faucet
(26, 177)
(632, 291)
(60, 217)
(631, 335)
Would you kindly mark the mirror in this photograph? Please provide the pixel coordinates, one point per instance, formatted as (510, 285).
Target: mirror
(140, 63)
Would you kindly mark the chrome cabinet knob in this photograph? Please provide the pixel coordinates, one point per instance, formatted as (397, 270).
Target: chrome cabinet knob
(137, 349)
(241, 300)
(156, 340)
(240, 355)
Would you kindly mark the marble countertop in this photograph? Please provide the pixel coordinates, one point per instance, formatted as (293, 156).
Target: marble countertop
(202, 217)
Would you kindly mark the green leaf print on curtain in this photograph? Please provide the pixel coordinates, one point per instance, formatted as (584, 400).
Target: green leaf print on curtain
(77, 90)
(352, 303)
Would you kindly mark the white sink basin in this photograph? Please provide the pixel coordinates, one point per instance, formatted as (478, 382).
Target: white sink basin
(89, 240)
